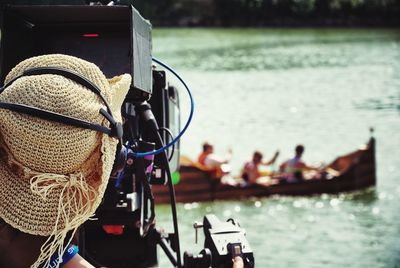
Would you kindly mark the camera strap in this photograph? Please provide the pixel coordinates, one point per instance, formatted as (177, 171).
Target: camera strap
(115, 129)
(55, 117)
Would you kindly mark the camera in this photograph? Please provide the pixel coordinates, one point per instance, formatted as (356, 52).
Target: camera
(223, 242)
(123, 232)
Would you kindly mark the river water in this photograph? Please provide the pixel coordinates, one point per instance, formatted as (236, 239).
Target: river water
(269, 89)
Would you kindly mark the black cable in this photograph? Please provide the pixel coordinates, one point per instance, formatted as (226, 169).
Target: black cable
(189, 120)
(55, 117)
(167, 250)
(159, 143)
(172, 137)
(72, 75)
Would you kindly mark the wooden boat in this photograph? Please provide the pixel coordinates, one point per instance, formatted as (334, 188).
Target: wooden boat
(354, 171)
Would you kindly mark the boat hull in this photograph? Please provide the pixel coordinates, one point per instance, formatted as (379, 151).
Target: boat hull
(358, 171)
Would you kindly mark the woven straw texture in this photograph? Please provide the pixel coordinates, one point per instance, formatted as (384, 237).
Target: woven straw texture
(52, 175)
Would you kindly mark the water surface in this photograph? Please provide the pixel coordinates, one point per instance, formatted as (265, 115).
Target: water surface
(265, 90)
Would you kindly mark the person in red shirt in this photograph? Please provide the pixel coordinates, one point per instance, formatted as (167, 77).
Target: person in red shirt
(213, 162)
(209, 159)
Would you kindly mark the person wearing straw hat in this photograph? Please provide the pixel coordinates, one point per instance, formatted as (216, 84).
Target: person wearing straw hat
(53, 172)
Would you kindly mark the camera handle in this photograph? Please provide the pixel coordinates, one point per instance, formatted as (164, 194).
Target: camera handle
(144, 167)
(150, 132)
(140, 103)
(196, 226)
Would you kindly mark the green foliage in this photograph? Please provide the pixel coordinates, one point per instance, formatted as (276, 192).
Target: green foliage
(303, 6)
(257, 12)
(271, 12)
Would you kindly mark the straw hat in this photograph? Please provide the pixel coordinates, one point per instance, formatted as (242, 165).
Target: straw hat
(52, 175)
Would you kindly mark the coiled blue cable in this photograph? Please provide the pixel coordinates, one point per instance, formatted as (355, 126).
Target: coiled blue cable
(175, 140)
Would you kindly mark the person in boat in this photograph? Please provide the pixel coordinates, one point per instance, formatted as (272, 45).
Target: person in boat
(293, 169)
(251, 170)
(213, 162)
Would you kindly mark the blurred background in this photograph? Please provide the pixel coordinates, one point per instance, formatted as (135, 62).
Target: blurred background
(228, 13)
(272, 88)
(269, 74)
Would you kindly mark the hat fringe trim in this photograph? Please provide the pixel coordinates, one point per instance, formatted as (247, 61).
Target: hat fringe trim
(75, 205)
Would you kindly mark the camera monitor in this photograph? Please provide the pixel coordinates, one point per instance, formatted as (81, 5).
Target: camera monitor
(115, 38)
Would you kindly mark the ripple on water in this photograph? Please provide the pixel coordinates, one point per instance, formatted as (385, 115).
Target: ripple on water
(272, 89)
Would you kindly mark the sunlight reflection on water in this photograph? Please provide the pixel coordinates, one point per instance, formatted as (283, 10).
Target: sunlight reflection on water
(271, 89)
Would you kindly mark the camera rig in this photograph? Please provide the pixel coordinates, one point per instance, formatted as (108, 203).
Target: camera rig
(118, 40)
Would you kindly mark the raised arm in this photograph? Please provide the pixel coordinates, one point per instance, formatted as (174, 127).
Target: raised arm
(273, 159)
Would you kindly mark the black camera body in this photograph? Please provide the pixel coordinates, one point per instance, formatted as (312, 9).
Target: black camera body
(118, 40)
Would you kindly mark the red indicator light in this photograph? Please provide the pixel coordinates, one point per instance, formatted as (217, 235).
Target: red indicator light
(114, 229)
(90, 35)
